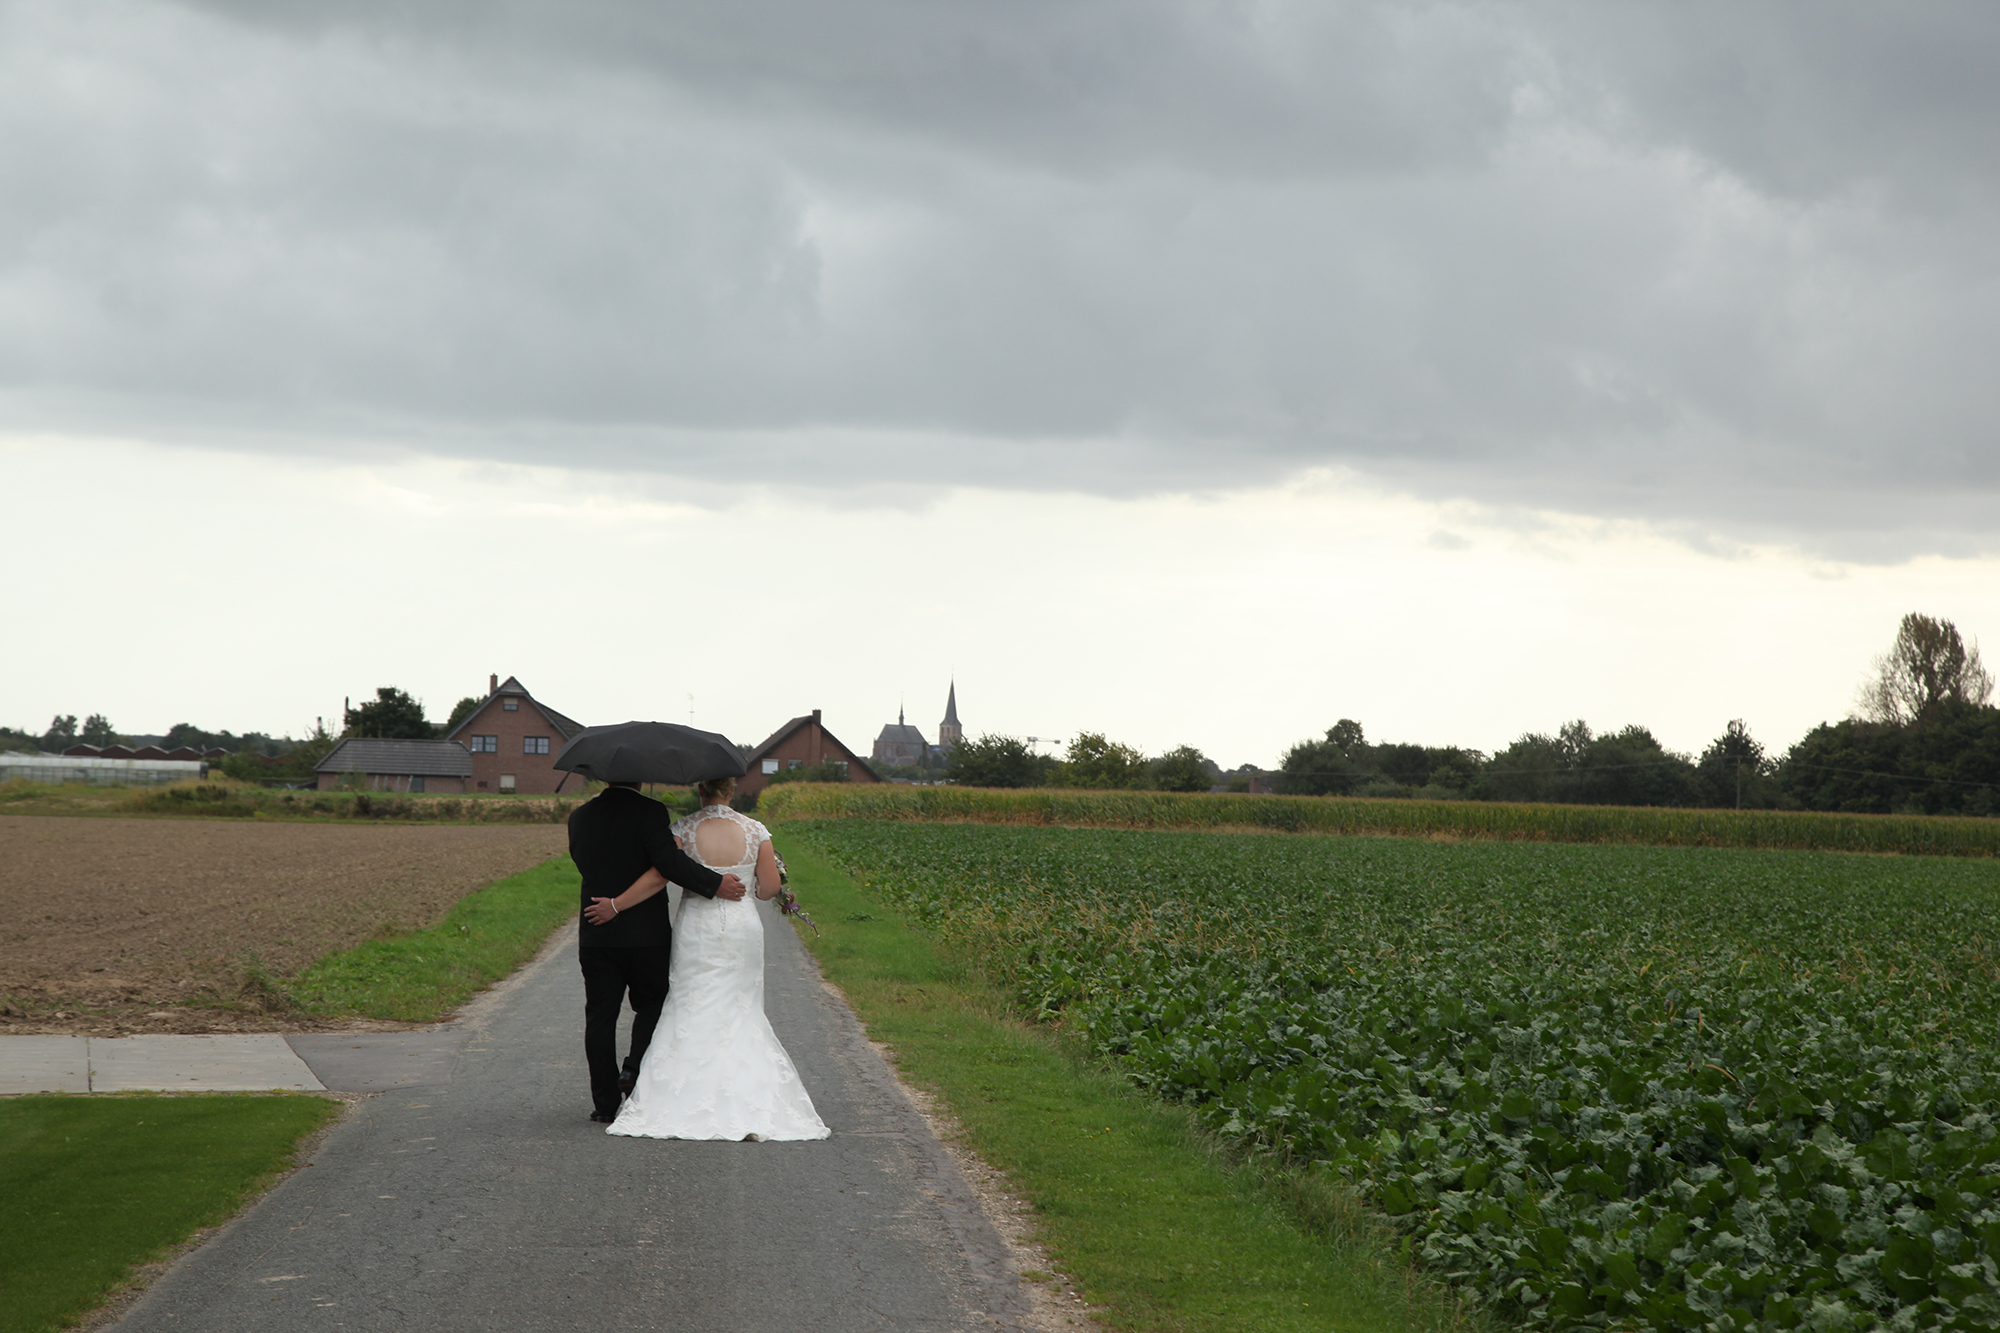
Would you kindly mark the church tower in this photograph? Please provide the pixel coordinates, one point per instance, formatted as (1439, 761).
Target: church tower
(949, 732)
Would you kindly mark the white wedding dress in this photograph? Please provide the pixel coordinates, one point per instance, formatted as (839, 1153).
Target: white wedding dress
(715, 1069)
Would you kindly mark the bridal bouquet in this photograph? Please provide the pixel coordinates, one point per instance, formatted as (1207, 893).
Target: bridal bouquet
(788, 904)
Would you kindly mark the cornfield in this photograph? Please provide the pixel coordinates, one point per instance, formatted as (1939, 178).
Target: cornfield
(1914, 835)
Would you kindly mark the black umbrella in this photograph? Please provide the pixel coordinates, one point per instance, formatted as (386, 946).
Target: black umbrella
(651, 752)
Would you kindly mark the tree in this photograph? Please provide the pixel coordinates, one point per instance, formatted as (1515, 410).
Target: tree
(1184, 768)
(1575, 766)
(1454, 769)
(97, 730)
(1406, 765)
(186, 733)
(1946, 763)
(993, 761)
(392, 715)
(1927, 665)
(460, 711)
(1322, 767)
(1734, 772)
(61, 733)
(259, 758)
(1093, 761)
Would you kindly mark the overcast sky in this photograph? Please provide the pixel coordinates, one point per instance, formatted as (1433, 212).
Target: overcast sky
(1197, 372)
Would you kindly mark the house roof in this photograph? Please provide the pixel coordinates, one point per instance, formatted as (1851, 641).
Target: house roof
(897, 733)
(441, 759)
(568, 726)
(777, 738)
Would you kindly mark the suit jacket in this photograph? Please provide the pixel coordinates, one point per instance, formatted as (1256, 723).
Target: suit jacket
(613, 838)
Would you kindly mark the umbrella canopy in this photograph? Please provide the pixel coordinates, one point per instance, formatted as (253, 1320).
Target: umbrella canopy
(651, 752)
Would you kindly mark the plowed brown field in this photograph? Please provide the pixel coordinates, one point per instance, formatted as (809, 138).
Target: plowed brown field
(153, 925)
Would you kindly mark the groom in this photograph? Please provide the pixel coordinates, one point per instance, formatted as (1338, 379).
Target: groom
(614, 838)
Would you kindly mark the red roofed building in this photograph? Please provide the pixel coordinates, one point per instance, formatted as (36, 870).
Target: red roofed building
(514, 739)
(803, 742)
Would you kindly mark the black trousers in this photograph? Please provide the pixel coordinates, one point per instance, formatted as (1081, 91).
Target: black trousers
(608, 974)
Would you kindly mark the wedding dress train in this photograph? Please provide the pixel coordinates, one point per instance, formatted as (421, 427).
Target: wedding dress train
(715, 1069)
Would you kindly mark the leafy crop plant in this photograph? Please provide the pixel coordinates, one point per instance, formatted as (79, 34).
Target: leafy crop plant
(1606, 1086)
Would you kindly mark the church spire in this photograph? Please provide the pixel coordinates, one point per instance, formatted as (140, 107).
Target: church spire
(949, 732)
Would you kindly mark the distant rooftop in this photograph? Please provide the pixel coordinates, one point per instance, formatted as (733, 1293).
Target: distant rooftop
(430, 759)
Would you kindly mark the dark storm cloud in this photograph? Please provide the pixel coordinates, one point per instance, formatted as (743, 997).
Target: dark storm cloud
(1719, 266)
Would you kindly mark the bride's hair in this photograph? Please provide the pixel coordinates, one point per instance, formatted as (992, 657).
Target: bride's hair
(715, 789)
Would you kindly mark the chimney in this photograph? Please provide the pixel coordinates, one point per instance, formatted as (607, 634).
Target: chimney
(492, 686)
(815, 717)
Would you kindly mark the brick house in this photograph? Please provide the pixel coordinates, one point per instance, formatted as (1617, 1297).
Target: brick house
(396, 765)
(514, 739)
(804, 742)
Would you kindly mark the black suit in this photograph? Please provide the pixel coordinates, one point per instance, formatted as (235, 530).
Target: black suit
(615, 838)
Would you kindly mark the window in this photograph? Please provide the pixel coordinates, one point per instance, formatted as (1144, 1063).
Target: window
(417, 785)
(506, 782)
(534, 745)
(795, 763)
(485, 744)
(510, 705)
(770, 766)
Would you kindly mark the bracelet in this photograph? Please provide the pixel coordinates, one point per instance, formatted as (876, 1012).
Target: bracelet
(614, 905)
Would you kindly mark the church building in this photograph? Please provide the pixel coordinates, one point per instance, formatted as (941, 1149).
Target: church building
(903, 746)
(900, 746)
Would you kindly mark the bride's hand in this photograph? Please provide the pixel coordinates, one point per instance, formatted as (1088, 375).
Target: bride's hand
(600, 911)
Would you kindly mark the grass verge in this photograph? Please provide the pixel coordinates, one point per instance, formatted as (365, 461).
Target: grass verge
(423, 976)
(1656, 826)
(1154, 1224)
(92, 1187)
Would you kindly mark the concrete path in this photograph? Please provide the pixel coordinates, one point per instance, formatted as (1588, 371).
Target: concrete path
(257, 1062)
(478, 1196)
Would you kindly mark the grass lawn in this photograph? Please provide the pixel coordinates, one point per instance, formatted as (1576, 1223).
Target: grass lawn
(422, 976)
(91, 1187)
(1156, 1229)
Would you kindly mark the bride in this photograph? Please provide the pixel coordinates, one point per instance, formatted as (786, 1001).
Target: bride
(715, 1069)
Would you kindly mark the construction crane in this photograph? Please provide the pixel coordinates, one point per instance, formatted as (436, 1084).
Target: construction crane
(1042, 740)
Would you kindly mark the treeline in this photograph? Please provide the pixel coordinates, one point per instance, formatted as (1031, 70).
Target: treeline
(1092, 761)
(64, 731)
(1925, 741)
(254, 756)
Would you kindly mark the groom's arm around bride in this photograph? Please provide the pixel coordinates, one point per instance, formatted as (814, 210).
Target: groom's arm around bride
(615, 838)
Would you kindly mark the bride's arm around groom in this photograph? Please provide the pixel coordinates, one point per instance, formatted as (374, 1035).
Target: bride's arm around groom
(615, 838)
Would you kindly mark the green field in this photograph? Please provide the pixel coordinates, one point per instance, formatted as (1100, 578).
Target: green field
(1654, 826)
(1154, 1226)
(1603, 1086)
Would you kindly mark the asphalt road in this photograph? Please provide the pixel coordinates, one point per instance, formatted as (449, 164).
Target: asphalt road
(481, 1198)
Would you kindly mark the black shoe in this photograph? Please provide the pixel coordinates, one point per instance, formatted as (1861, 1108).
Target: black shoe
(603, 1117)
(628, 1081)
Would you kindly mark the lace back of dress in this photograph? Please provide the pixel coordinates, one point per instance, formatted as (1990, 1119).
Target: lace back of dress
(723, 839)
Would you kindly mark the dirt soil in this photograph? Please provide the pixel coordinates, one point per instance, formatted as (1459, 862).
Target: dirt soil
(111, 926)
